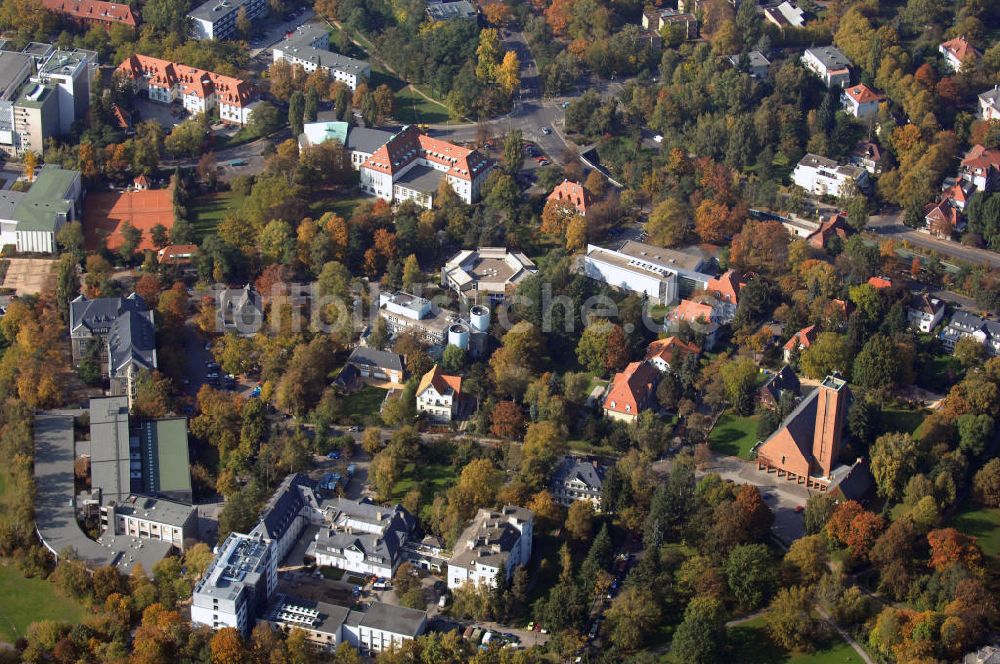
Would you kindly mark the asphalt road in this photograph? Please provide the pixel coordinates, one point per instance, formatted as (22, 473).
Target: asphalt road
(891, 225)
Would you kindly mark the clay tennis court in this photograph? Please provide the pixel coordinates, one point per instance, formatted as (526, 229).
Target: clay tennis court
(104, 213)
(28, 276)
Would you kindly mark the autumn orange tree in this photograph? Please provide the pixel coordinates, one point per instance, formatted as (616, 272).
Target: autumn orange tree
(497, 13)
(762, 246)
(506, 420)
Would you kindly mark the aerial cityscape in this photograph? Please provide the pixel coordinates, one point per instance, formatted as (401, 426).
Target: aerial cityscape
(500, 331)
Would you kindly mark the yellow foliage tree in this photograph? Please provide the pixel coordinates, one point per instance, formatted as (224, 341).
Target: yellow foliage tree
(508, 74)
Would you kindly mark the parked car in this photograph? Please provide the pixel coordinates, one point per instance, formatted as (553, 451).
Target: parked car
(356, 428)
(381, 585)
(334, 455)
(546, 131)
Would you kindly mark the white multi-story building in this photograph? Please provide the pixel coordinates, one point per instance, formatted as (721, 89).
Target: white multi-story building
(825, 177)
(43, 91)
(151, 518)
(494, 543)
(662, 275)
(412, 166)
(989, 104)
(362, 537)
(199, 91)
(237, 586)
(925, 312)
(578, 479)
(292, 506)
(216, 19)
(860, 101)
(309, 47)
(957, 52)
(966, 325)
(829, 64)
(439, 395)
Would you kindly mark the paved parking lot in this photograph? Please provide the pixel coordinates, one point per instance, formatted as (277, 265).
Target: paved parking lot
(28, 276)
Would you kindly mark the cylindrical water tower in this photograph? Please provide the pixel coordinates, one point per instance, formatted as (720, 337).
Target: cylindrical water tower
(458, 335)
(479, 317)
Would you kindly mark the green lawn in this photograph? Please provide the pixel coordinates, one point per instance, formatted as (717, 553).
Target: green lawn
(734, 435)
(411, 107)
(983, 523)
(363, 404)
(337, 203)
(939, 373)
(752, 646)
(24, 601)
(431, 478)
(583, 447)
(208, 211)
(906, 421)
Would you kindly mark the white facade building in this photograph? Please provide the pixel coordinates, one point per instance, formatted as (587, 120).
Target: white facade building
(989, 104)
(237, 585)
(494, 543)
(825, 177)
(829, 64)
(150, 518)
(662, 275)
(309, 47)
(362, 537)
(860, 101)
(216, 19)
(488, 272)
(439, 395)
(925, 312)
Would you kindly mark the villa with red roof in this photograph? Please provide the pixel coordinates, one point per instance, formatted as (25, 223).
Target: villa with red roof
(981, 168)
(631, 392)
(957, 52)
(93, 12)
(666, 354)
(572, 195)
(860, 101)
(704, 318)
(411, 166)
(726, 290)
(439, 395)
(198, 90)
(880, 282)
(801, 340)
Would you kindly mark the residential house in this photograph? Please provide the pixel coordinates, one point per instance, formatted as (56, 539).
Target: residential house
(239, 310)
(216, 19)
(85, 13)
(309, 47)
(726, 290)
(833, 226)
(662, 275)
(800, 341)
(177, 254)
(631, 392)
(705, 316)
(439, 395)
(981, 168)
(486, 274)
(989, 104)
(924, 312)
(755, 63)
(412, 166)
(966, 325)
(198, 90)
(866, 155)
(785, 15)
(806, 447)
(571, 195)
(827, 62)
(578, 479)
(667, 354)
(655, 19)
(362, 537)
(825, 177)
(957, 52)
(860, 101)
(784, 381)
(942, 218)
(377, 364)
(496, 542)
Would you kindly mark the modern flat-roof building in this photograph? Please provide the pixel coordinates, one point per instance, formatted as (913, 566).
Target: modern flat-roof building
(237, 586)
(151, 518)
(662, 275)
(198, 90)
(829, 64)
(412, 165)
(825, 177)
(43, 91)
(486, 273)
(165, 459)
(756, 64)
(30, 220)
(495, 542)
(216, 19)
(447, 11)
(309, 46)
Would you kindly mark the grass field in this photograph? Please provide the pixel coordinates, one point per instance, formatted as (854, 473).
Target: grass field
(751, 645)
(983, 523)
(363, 404)
(939, 373)
(24, 601)
(734, 435)
(209, 210)
(906, 421)
(343, 206)
(411, 107)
